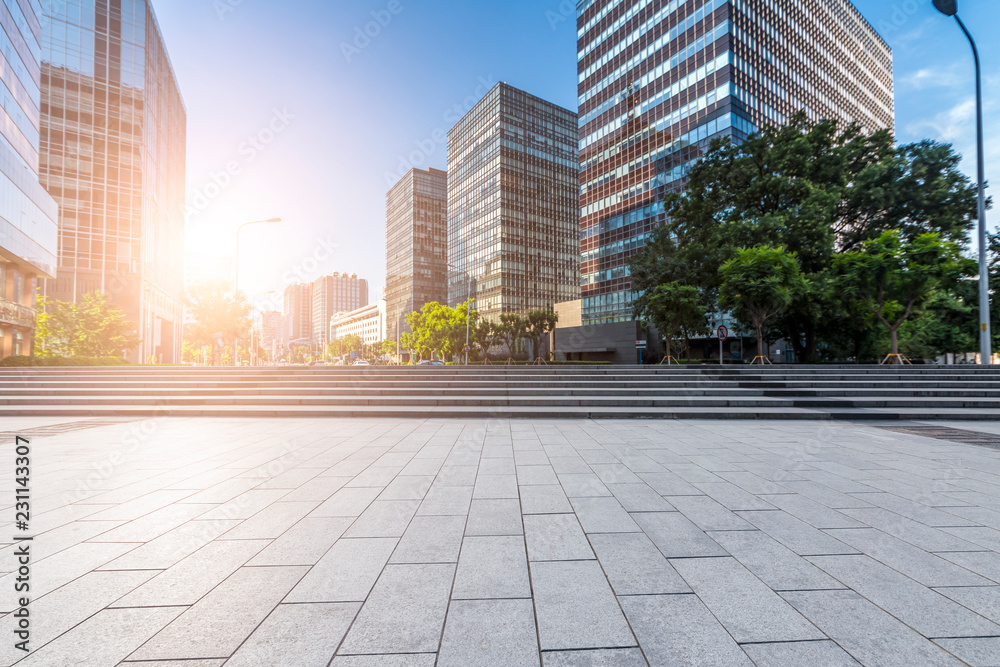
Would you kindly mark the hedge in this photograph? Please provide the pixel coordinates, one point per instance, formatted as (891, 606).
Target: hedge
(22, 361)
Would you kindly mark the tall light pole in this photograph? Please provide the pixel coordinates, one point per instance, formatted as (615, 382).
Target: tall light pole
(236, 278)
(950, 8)
(468, 309)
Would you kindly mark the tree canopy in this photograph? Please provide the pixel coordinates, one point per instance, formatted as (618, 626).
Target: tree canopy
(92, 328)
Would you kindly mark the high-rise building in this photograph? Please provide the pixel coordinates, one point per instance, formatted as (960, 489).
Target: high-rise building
(297, 314)
(416, 240)
(658, 79)
(112, 155)
(513, 196)
(332, 294)
(28, 231)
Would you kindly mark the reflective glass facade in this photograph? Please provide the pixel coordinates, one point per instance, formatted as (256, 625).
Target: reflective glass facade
(28, 229)
(112, 155)
(416, 253)
(658, 79)
(513, 198)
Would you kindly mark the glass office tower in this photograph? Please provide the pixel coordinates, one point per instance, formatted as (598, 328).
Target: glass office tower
(112, 155)
(658, 79)
(416, 252)
(28, 231)
(512, 204)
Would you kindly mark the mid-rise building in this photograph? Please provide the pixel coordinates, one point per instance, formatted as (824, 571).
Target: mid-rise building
(113, 130)
(658, 79)
(367, 323)
(416, 254)
(270, 332)
(513, 217)
(28, 228)
(297, 322)
(335, 293)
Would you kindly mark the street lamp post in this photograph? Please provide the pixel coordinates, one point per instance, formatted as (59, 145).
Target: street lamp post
(950, 8)
(236, 278)
(468, 309)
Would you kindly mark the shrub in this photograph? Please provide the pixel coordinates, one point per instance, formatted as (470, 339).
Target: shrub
(23, 361)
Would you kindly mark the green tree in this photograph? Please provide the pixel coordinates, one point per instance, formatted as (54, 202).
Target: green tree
(510, 329)
(895, 276)
(217, 314)
(538, 325)
(673, 309)
(92, 328)
(946, 325)
(814, 188)
(759, 284)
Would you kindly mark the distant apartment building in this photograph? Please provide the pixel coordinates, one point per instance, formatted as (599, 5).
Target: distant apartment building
(416, 254)
(297, 321)
(28, 214)
(270, 333)
(113, 139)
(659, 79)
(332, 294)
(367, 323)
(513, 204)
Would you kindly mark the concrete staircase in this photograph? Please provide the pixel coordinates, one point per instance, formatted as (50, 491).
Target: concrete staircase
(658, 392)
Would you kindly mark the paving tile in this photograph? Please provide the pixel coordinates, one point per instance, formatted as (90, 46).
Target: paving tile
(404, 613)
(668, 484)
(813, 654)
(491, 466)
(431, 539)
(544, 500)
(708, 514)
(190, 579)
(927, 568)
(775, 565)
(494, 517)
(245, 505)
(446, 500)
(555, 537)
(620, 657)
(384, 518)
(172, 546)
(347, 501)
(535, 475)
(639, 498)
(492, 567)
(583, 485)
(740, 600)
(317, 489)
(917, 511)
(495, 486)
(826, 496)
(679, 630)
(603, 515)
(154, 524)
(752, 483)
(732, 497)
(927, 612)
(797, 535)
(812, 512)
(634, 566)
(457, 475)
(271, 521)
(984, 600)
(576, 608)
(869, 634)
(105, 638)
(398, 660)
(675, 536)
(977, 652)
(914, 532)
(346, 573)
(221, 621)
(304, 635)
(984, 563)
(304, 543)
(489, 633)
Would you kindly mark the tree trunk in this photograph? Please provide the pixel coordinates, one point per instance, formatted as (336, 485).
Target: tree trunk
(894, 335)
(668, 349)
(760, 339)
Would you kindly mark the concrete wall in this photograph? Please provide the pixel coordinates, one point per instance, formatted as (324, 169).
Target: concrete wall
(614, 342)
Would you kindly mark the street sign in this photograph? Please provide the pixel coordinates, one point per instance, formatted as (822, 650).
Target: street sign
(723, 333)
(640, 345)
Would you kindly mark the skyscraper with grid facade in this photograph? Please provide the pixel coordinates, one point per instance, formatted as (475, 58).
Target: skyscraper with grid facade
(512, 204)
(658, 79)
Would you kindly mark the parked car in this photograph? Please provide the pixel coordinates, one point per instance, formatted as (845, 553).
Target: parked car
(362, 362)
(430, 362)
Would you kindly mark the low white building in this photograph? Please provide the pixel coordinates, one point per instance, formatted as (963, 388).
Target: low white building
(367, 323)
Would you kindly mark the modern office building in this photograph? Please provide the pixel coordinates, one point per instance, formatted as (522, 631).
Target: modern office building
(513, 197)
(332, 294)
(28, 227)
(297, 321)
(367, 323)
(416, 238)
(113, 157)
(658, 79)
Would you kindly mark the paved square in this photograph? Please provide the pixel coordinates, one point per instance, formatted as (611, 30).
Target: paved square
(466, 543)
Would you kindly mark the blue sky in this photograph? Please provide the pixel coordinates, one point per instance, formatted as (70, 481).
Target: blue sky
(292, 113)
